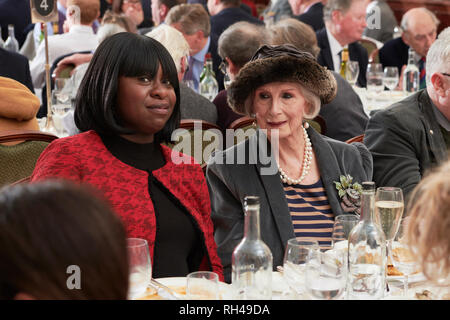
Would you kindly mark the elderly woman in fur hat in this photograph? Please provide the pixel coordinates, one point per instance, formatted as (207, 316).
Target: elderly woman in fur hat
(309, 178)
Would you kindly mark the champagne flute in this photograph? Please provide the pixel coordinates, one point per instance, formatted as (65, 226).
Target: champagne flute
(140, 267)
(390, 78)
(401, 256)
(296, 255)
(389, 207)
(352, 72)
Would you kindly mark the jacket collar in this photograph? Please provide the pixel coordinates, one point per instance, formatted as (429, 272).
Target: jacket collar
(433, 131)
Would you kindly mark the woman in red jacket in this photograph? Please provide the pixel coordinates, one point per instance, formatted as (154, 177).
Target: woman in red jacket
(127, 106)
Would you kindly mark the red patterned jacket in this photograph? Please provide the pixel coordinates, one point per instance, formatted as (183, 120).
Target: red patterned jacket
(84, 158)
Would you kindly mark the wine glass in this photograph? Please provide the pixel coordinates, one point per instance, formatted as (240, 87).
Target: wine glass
(374, 76)
(389, 207)
(343, 224)
(140, 267)
(296, 256)
(202, 285)
(390, 78)
(401, 256)
(352, 72)
(326, 275)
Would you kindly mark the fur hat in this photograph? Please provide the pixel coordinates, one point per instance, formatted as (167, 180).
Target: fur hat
(18, 106)
(283, 63)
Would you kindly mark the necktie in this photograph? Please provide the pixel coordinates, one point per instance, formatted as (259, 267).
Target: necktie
(422, 73)
(189, 75)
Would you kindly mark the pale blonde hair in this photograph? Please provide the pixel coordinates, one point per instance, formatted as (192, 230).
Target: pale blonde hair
(173, 40)
(428, 231)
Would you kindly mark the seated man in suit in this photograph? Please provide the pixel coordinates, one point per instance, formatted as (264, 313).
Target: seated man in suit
(192, 21)
(413, 135)
(419, 27)
(309, 12)
(192, 104)
(15, 66)
(344, 24)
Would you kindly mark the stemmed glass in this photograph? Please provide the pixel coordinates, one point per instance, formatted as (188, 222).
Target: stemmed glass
(389, 207)
(352, 72)
(326, 275)
(374, 76)
(343, 224)
(140, 267)
(296, 255)
(401, 256)
(390, 78)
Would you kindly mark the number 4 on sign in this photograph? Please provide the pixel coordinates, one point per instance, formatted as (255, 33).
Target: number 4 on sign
(44, 5)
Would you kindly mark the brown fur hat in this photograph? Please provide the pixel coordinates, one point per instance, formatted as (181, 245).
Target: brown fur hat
(283, 63)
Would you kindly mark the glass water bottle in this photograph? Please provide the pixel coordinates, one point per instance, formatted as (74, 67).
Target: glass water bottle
(411, 75)
(11, 43)
(209, 87)
(366, 252)
(252, 259)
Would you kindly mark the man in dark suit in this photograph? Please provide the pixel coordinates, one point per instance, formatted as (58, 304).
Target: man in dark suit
(192, 20)
(309, 12)
(15, 66)
(419, 27)
(344, 24)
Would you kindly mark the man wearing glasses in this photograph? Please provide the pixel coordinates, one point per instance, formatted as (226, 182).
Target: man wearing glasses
(413, 135)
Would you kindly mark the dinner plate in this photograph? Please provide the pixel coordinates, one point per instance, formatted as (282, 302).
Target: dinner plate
(180, 283)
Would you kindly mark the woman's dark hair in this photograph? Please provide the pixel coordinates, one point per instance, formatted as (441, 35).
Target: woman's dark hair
(129, 55)
(48, 229)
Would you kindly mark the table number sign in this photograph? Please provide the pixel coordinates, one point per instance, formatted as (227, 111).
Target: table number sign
(43, 10)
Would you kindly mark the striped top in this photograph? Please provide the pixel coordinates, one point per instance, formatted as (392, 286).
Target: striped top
(310, 211)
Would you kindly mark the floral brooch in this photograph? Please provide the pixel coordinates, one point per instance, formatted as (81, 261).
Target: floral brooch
(350, 193)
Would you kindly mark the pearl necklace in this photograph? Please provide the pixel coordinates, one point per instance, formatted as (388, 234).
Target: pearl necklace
(307, 157)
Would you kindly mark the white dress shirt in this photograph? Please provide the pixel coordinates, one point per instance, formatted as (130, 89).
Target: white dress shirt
(335, 48)
(79, 38)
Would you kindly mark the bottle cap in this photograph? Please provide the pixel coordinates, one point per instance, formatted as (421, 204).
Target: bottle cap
(368, 185)
(251, 200)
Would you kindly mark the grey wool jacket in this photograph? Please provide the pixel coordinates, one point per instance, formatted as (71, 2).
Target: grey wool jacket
(230, 182)
(405, 141)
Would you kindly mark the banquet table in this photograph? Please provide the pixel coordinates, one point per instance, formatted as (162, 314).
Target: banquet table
(419, 289)
(378, 101)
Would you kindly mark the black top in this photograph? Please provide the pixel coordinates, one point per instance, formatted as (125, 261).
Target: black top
(178, 247)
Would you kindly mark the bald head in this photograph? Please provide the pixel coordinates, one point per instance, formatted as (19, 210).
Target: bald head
(419, 29)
